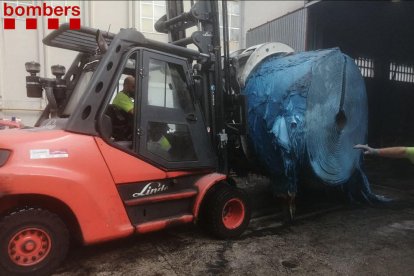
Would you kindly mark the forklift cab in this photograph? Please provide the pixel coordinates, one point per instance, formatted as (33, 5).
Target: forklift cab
(167, 127)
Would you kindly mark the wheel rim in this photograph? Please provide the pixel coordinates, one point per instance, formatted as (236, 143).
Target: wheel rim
(233, 213)
(29, 246)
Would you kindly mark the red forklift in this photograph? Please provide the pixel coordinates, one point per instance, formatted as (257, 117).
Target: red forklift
(90, 171)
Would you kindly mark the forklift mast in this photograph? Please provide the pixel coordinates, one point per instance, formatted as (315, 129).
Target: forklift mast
(212, 82)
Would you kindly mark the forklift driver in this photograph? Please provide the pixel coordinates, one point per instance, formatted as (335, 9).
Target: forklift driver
(124, 99)
(157, 142)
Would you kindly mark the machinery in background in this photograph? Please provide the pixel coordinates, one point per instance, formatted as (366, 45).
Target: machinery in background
(12, 123)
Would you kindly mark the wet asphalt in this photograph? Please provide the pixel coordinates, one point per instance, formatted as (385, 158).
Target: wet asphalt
(330, 236)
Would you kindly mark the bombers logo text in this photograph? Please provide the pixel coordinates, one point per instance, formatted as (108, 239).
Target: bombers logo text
(30, 13)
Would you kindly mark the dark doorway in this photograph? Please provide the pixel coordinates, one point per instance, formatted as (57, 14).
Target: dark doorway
(379, 35)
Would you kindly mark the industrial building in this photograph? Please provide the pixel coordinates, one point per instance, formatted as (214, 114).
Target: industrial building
(379, 35)
(20, 45)
(262, 145)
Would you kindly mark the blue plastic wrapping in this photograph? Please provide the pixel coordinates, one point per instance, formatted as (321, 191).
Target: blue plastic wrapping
(308, 110)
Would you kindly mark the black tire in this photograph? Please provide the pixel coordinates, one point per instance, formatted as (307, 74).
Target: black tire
(46, 242)
(216, 207)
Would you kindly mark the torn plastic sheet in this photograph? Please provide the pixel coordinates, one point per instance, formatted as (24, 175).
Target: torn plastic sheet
(308, 110)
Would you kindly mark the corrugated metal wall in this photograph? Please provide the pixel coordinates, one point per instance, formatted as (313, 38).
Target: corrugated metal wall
(289, 29)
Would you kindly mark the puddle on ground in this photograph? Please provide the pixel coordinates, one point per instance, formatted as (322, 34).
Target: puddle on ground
(405, 225)
(397, 227)
(290, 264)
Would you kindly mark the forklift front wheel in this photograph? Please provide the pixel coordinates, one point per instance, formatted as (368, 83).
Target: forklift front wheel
(32, 241)
(226, 212)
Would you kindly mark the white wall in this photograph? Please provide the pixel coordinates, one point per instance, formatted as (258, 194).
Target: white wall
(17, 47)
(259, 12)
(256, 13)
(20, 45)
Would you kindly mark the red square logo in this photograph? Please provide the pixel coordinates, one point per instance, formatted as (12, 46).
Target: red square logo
(31, 23)
(53, 23)
(9, 23)
(74, 23)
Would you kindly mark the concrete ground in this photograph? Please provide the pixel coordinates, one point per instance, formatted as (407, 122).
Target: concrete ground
(328, 238)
